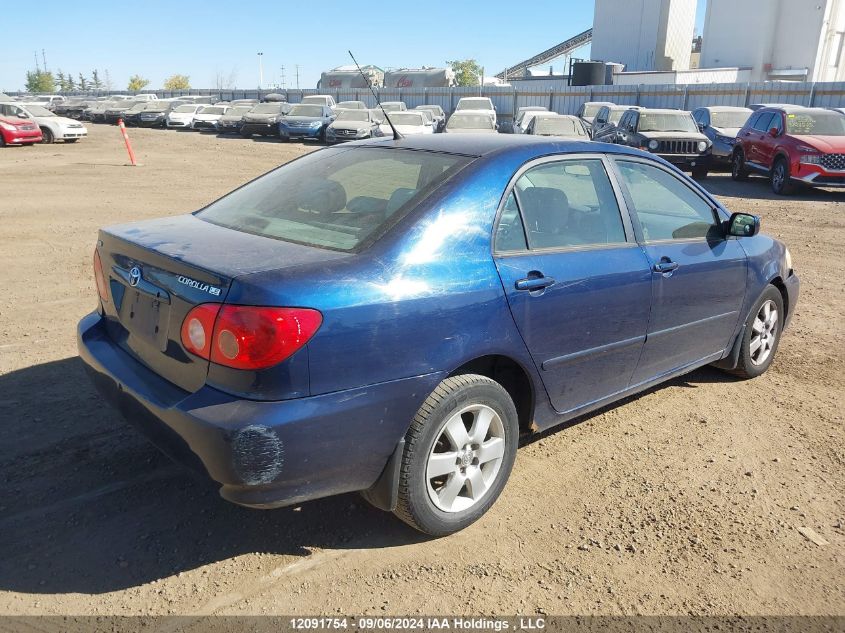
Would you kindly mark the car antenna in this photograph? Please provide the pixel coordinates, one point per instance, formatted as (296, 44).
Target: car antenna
(396, 135)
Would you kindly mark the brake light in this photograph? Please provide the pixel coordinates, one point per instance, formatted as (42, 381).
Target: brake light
(247, 337)
(100, 278)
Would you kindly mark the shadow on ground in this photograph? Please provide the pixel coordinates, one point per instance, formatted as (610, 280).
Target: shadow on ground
(759, 188)
(88, 506)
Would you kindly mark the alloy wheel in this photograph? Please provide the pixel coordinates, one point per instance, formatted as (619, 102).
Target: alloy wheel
(778, 176)
(466, 458)
(764, 333)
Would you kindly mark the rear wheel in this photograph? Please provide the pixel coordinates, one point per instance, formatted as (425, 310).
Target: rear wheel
(781, 183)
(47, 136)
(459, 452)
(762, 335)
(738, 169)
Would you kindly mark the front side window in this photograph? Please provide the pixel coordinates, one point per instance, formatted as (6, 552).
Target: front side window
(666, 208)
(762, 123)
(569, 203)
(334, 198)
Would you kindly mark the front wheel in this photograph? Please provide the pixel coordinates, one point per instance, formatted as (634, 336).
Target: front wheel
(762, 335)
(47, 136)
(459, 452)
(738, 169)
(781, 183)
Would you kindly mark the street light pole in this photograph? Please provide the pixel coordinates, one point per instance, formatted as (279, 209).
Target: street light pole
(260, 71)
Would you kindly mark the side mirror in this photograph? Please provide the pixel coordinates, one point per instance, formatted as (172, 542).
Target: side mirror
(702, 127)
(744, 225)
(773, 132)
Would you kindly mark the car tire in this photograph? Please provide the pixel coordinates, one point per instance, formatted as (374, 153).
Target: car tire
(467, 419)
(739, 171)
(47, 136)
(699, 173)
(762, 335)
(779, 178)
(2, 141)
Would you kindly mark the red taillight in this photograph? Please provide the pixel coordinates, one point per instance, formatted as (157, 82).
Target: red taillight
(247, 337)
(100, 278)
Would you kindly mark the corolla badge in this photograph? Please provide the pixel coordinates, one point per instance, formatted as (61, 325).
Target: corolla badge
(134, 276)
(199, 285)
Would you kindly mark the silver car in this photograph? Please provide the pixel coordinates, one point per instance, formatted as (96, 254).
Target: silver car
(351, 125)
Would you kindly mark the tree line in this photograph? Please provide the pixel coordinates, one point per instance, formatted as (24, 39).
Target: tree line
(44, 81)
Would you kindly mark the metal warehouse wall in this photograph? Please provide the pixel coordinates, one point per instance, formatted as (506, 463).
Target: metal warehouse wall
(563, 99)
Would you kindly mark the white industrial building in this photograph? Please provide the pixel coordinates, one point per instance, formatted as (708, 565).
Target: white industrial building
(644, 35)
(799, 40)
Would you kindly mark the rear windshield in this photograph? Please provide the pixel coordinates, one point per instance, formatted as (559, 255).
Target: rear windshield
(821, 124)
(474, 104)
(334, 198)
(470, 122)
(407, 118)
(560, 126)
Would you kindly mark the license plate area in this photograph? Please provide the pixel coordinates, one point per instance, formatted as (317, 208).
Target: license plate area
(145, 318)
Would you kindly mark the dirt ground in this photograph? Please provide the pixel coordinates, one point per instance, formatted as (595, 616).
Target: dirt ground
(686, 499)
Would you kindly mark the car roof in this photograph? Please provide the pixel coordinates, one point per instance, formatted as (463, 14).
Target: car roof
(664, 110)
(725, 108)
(793, 108)
(478, 145)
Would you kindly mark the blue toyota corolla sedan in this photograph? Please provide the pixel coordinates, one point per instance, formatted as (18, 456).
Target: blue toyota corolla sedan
(391, 316)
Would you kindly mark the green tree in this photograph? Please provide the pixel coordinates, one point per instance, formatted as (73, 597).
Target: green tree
(83, 83)
(61, 81)
(177, 82)
(467, 72)
(96, 84)
(136, 83)
(71, 84)
(40, 81)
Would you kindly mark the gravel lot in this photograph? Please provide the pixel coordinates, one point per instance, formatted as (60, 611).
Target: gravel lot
(685, 499)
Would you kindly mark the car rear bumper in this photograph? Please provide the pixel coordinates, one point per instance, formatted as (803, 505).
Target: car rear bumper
(262, 454)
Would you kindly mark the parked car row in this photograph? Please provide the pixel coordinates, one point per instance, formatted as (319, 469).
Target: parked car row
(791, 145)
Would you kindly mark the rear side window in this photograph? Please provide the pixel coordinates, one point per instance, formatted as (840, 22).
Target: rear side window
(334, 198)
(568, 203)
(666, 208)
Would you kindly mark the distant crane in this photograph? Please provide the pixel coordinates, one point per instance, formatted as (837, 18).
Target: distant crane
(564, 48)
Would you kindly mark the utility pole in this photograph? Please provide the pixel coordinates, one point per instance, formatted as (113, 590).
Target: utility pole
(297, 76)
(283, 77)
(260, 71)
(44, 57)
(37, 67)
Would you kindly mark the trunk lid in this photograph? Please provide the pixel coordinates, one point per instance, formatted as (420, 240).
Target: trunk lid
(158, 270)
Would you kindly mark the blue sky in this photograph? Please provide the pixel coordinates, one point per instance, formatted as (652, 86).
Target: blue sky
(201, 39)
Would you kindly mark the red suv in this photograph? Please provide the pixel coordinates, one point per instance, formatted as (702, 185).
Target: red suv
(15, 131)
(792, 145)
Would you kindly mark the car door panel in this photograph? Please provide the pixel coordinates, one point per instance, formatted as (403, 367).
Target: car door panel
(586, 331)
(698, 275)
(578, 287)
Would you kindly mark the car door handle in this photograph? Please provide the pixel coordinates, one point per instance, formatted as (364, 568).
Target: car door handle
(534, 283)
(665, 266)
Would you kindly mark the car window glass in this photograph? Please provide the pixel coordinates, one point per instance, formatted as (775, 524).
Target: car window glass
(569, 203)
(762, 123)
(776, 122)
(510, 233)
(666, 208)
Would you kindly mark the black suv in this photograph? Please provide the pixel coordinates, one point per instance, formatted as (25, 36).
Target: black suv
(671, 134)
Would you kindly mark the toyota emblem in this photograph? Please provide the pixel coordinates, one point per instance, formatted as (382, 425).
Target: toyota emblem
(134, 276)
